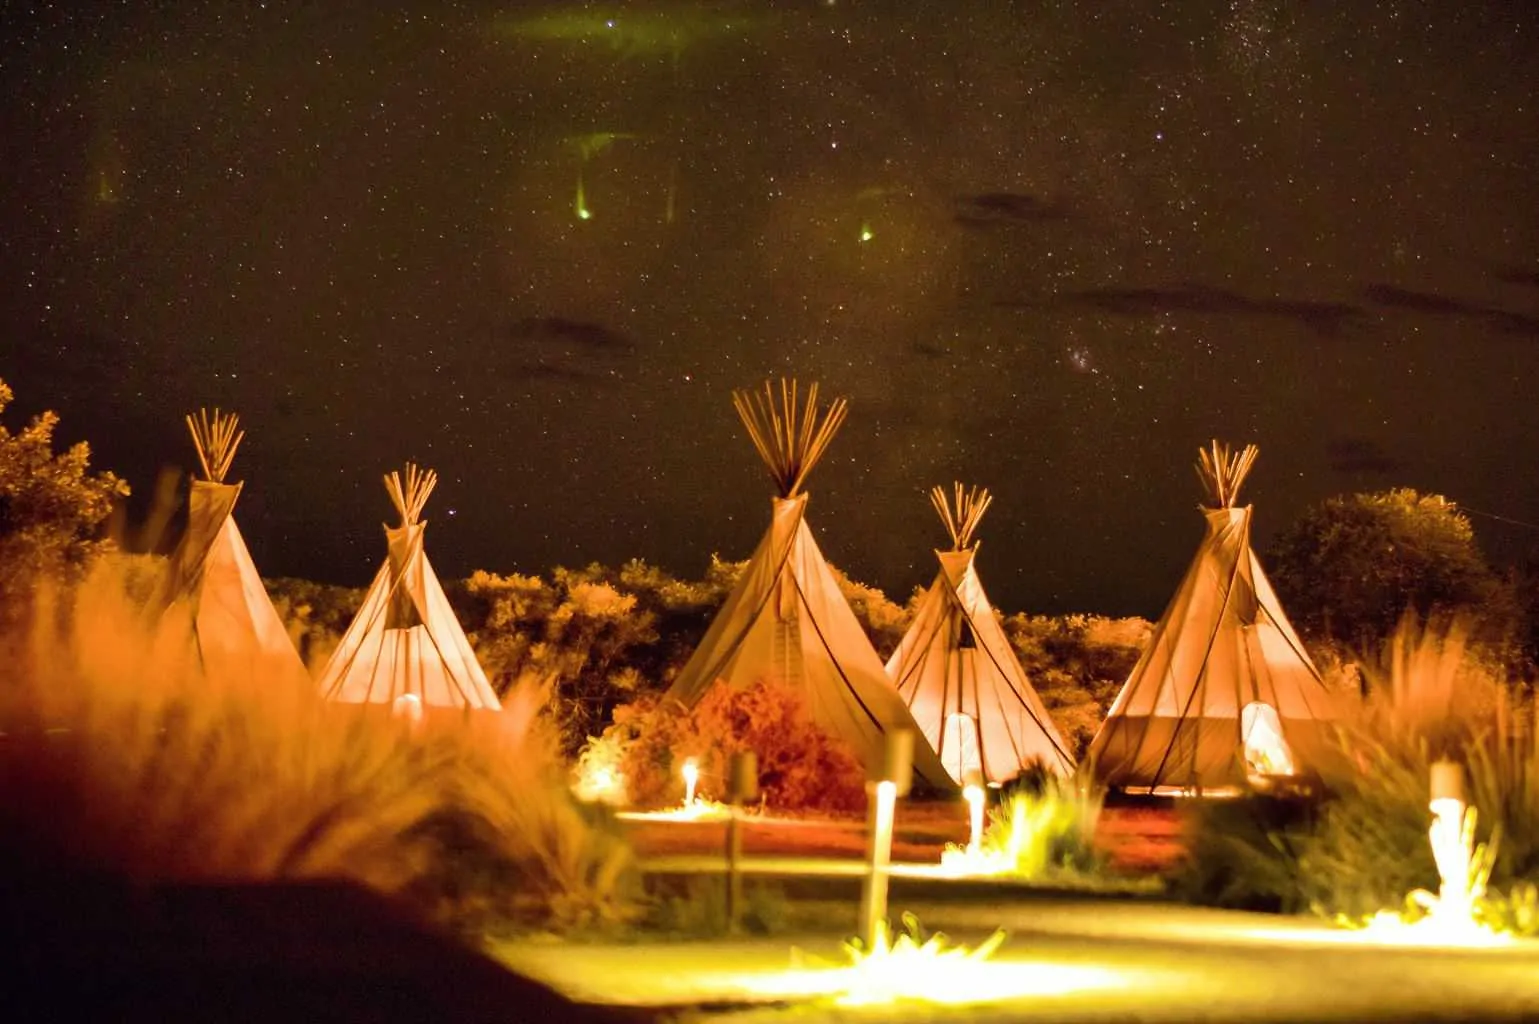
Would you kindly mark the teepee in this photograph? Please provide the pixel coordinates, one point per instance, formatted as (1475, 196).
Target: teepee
(1224, 693)
(405, 648)
(213, 586)
(786, 619)
(957, 672)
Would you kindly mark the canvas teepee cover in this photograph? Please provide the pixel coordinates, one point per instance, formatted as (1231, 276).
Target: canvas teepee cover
(213, 584)
(958, 673)
(405, 641)
(786, 619)
(1225, 691)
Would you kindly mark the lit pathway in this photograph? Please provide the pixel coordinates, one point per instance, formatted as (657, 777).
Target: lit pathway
(1075, 960)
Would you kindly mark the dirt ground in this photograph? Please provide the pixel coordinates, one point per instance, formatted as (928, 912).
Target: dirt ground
(1137, 840)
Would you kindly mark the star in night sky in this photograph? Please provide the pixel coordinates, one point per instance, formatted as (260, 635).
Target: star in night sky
(1050, 248)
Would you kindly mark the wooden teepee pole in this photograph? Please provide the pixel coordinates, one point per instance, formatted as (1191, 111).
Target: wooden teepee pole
(410, 497)
(215, 436)
(961, 512)
(1223, 471)
(790, 436)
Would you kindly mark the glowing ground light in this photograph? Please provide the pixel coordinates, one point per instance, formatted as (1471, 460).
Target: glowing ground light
(408, 707)
(975, 859)
(866, 233)
(698, 810)
(1390, 929)
(1017, 837)
(601, 783)
(973, 794)
(691, 772)
(914, 969)
(957, 862)
(910, 967)
(599, 778)
(692, 809)
(1463, 869)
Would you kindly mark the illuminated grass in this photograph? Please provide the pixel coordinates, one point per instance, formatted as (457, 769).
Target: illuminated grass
(913, 968)
(699, 810)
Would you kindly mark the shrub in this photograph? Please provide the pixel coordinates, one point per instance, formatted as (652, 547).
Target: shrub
(1350, 566)
(1365, 847)
(120, 758)
(1242, 854)
(696, 906)
(1077, 664)
(884, 621)
(315, 615)
(1045, 825)
(583, 629)
(801, 767)
(51, 510)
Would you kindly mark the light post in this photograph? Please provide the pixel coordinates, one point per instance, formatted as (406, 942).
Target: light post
(1451, 836)
(691, 773)
(742, 786)
(973, 793)
(891, 778)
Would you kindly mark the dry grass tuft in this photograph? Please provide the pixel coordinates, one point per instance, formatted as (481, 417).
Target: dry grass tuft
(121, 757)
(1430, 696)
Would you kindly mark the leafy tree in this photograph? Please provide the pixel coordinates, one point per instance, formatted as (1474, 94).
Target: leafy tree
(315, 615)
(884, 621)
(585, 633)
(51, 509)
(1352, 565)
(1077, 664)
(608, 635)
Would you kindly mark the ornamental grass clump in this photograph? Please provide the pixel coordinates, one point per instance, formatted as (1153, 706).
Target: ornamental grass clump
(1430, 698)
(1042, 829)
(121, 758)
(1364, 847)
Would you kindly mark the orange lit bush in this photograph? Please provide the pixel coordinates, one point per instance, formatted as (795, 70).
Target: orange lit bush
(801, 767)
(51, 509)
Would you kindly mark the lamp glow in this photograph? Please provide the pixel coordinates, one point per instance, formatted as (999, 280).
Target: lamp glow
(691, 780)
(973, 794)
(1463, 869)
(1017, 838)
(1452, 835)
(408, 706)
(884, 800)
(911, 966)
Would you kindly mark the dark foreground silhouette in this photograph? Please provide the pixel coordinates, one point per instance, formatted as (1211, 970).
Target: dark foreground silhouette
(90, 948)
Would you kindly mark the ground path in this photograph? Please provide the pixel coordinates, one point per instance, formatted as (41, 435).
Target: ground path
(1070, 960)
(1067, 957)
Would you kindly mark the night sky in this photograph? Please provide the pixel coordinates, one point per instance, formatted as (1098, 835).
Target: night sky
(1051, 248)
